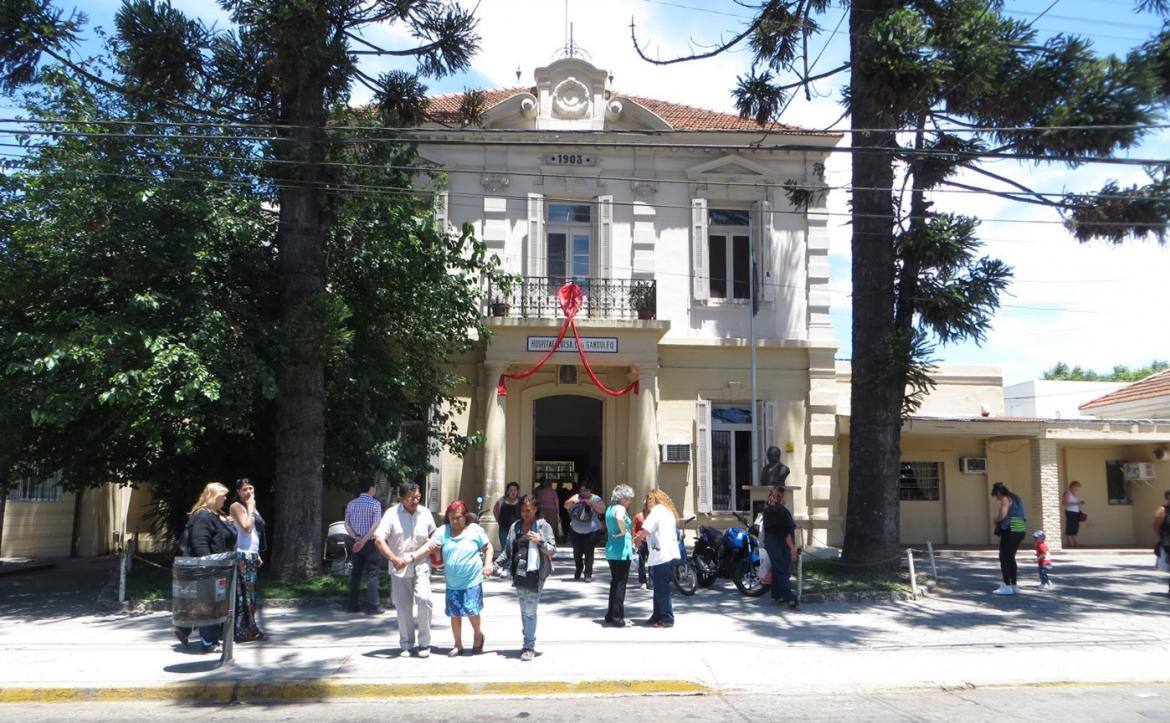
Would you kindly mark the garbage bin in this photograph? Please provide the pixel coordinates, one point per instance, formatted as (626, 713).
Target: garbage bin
(200, 589)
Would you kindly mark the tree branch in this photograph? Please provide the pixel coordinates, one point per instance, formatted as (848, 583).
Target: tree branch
(699, 56)
(1010, 182)
(1037, 200)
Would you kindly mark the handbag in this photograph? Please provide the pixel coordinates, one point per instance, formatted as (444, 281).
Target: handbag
(1081, 517)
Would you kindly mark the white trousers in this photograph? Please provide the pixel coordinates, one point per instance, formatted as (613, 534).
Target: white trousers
(407, 593)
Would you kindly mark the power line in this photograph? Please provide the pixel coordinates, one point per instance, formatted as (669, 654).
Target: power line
(405, 190)
(425, 168)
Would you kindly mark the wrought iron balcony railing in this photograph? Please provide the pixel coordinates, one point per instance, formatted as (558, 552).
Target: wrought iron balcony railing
(535, 297)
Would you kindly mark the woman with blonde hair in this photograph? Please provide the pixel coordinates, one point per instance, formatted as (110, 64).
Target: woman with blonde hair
(209, 531)
(660, 532)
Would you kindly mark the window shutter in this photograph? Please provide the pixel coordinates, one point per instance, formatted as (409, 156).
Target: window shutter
(766, 429)
(703, 454)
(765, 252)
(605, 237)
(536, 254)
(700, 266)
(441, 212)
(435, 481)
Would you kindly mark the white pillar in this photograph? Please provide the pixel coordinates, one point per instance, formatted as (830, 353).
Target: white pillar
(495, 439)
(643, 450)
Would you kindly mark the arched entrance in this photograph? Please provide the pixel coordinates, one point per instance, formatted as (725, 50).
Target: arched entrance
(566, 444)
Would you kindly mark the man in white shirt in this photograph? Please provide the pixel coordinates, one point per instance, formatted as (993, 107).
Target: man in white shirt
(401, 538)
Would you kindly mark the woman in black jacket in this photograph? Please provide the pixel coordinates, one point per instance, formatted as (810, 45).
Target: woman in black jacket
(209, 531)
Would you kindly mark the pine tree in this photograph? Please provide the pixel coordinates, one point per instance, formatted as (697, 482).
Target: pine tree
(936, 87)
(284, 65)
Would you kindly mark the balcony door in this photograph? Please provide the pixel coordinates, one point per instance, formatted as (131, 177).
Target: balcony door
(568, 243)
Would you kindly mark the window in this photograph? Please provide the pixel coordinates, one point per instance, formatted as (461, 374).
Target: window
(919, 481)
(1116, 484)
(568, 245)
(31, 490)
(729, 251)
(731, 457)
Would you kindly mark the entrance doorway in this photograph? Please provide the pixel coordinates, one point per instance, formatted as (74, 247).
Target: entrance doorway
(566, 445)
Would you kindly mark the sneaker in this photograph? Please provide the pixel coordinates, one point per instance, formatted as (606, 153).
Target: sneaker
(375, 611)
(527, 654)
(1046, 586)
(1015, 589)
(423, 652)
(588, 578)
(1004, 590)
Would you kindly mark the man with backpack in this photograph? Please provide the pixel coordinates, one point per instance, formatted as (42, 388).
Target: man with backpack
(585, 510)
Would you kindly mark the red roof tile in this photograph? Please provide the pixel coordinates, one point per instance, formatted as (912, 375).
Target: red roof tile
(445, 109)
(1155, 385)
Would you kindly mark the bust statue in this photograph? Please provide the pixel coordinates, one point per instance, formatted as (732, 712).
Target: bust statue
(775, 472)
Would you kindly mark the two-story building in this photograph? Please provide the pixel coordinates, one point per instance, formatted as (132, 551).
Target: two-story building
(629, 197)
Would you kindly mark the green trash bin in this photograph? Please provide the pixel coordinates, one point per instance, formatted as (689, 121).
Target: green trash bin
(201, 589)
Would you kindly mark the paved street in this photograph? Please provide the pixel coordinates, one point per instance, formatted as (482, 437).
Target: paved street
(1105, 623)
(1072, 704)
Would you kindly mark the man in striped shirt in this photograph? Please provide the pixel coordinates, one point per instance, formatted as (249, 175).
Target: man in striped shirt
(362, 515)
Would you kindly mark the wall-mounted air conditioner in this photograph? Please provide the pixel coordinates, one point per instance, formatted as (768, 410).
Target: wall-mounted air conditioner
(679, 453)
(1139, 470)
(973, 465)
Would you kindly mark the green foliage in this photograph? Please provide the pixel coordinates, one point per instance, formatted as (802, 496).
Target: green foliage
(1121, 373)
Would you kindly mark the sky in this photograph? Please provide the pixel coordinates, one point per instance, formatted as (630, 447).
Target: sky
(1094, 305)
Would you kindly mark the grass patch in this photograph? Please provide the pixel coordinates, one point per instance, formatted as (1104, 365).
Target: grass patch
(830, 576)
(147, 582)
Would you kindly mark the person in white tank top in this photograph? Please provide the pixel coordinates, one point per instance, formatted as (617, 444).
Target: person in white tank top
(1072, 513)
(249, 528)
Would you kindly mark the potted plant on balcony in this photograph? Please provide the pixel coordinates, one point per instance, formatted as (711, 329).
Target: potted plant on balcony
(499, 307)
(642, 299)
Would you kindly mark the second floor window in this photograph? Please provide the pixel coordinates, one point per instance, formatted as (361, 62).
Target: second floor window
(729, 251)
(568, 249)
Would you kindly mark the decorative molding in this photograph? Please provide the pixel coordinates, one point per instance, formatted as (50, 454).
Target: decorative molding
(495, 182)
(644, 188)
(570, 99)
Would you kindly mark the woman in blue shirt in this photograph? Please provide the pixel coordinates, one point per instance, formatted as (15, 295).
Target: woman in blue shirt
(467, 557)
(618, 549)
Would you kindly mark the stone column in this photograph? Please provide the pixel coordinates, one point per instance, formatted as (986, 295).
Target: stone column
(1046, 492)
(495, 442)
(643, 449)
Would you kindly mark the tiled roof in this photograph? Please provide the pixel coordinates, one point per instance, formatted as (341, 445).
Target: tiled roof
(1155, 385)
(445, 109)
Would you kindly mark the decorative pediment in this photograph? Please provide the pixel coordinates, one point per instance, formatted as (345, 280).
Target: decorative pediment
(729, 167)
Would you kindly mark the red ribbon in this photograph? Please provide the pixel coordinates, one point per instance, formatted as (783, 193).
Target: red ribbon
(570, 297)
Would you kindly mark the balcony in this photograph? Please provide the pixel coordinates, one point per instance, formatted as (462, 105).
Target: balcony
(535, 297)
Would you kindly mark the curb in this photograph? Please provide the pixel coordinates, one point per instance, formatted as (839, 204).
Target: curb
(229, 691)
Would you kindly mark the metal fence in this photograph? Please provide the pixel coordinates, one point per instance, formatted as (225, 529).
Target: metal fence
(535, 297)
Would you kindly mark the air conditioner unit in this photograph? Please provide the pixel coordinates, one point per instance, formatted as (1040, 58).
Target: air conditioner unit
(676, 453)
(973, 465)
(1139, 470)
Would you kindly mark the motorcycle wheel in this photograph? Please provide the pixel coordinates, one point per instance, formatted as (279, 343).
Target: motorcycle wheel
(705, 570)
(747, 578)
(684, 578)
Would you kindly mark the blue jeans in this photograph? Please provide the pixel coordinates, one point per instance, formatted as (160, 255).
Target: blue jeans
(529, 599)
(781, 558)
(663, 610)
(1043, 574)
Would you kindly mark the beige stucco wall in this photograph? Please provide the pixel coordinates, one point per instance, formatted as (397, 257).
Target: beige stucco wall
(1115, 524)
(960, 516)
(38, 529)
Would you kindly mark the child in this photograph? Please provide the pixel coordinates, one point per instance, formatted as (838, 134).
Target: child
(1043, 561)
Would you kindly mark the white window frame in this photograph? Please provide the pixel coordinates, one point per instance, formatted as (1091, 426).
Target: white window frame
(919, 467)
(729, 233)
(571, 230)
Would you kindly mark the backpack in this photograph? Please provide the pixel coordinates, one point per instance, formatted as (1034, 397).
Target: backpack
(185, 542)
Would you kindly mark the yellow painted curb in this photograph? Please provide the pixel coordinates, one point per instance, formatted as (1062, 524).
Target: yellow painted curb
(227, 691)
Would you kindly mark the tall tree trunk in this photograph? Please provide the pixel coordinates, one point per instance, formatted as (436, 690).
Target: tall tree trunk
(300, 402)
(871, 522)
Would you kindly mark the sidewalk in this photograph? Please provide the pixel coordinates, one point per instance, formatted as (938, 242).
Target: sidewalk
(1104, 623)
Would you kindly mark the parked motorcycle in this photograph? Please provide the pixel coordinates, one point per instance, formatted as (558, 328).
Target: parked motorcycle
(685, 577)
(732, 553)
